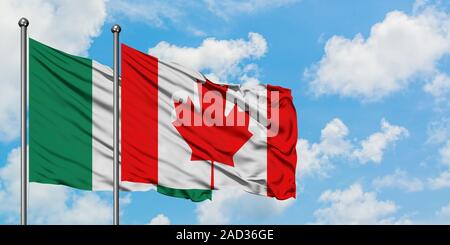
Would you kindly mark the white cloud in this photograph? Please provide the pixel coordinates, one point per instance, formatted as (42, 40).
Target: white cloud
(86, 208)
(10, 183)
(397, 49)
(373, 147)
(332, 138)
(66, 25)
(444, 152)
(160, 219)
(441, 181)
(233, 205)
(229, 8)
(49, 204)
(354, 206)
(314, 159)
(9, 110)
(439, 86)
(227, 65)
(399, 179)
(311, 160)
(444, 211)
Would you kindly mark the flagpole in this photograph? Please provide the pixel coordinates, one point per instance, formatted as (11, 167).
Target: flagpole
(23, 23)
(116, 30)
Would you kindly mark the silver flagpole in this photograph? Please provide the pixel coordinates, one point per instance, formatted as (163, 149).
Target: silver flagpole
(116, 30)
(23, 23)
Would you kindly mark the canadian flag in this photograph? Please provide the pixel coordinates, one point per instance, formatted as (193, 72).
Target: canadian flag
(189, 136)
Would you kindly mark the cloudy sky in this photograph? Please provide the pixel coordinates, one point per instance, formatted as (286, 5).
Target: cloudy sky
(370, 80)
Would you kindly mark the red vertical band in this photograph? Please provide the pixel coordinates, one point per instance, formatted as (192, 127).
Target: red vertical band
(281, 143)
(139, 116)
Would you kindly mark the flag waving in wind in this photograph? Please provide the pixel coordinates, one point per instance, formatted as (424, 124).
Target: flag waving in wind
(189, 136)
(179, 131)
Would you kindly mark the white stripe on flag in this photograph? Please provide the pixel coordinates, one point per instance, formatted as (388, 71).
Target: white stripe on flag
(102, 132)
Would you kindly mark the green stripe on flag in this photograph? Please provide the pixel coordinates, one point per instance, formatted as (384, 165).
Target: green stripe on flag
(60, 114)
(196, 195)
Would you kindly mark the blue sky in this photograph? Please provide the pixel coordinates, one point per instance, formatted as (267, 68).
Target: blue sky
(370, 81)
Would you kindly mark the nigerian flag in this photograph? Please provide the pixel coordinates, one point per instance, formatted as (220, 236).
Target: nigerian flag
(71, 120)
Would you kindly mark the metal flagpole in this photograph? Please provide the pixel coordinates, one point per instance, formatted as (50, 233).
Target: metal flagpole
(116, 30)
(23, 23)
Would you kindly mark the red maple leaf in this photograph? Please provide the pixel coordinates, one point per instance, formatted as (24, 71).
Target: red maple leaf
(218, 142)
